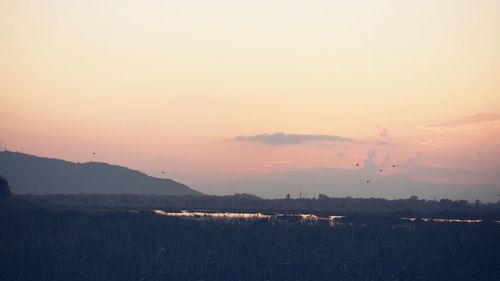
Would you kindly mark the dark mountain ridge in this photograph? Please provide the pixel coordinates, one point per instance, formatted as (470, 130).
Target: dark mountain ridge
(39, 175)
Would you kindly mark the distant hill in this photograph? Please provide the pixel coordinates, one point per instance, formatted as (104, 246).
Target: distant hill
(31, 174)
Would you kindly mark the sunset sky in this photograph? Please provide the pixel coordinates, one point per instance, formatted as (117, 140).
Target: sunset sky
(265, 97)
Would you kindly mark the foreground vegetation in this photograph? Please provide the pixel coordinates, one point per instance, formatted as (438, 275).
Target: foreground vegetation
(241, 202)
(37, 243)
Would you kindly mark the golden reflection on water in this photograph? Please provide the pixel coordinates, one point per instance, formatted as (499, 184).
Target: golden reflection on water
(302, 217)
(213, 215)
(230, 215)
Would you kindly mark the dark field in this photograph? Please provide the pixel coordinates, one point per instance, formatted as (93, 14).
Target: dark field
(46, 244)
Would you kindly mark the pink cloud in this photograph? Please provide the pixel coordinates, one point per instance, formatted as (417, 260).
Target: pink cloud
(468, 120)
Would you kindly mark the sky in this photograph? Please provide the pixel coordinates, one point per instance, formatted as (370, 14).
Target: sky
(265, 97)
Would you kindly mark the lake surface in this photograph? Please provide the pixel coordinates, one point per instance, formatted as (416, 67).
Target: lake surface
(233, 215)
(300, 216)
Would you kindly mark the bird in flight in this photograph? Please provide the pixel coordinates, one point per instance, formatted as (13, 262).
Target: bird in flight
(357, 164)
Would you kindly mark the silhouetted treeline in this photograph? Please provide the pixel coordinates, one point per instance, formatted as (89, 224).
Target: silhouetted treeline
(341, 206)
(41, 244)
(4, 188)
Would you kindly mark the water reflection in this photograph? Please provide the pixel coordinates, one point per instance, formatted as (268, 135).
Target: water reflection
(302, 217)
(232, 215)
(443, 220)
(226, 215)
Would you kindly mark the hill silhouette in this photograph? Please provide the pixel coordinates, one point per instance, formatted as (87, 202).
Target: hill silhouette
(38, 175)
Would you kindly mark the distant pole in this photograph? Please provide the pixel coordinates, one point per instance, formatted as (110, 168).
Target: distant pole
(300, 194)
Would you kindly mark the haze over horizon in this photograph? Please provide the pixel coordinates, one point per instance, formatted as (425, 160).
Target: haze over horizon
(264, 97)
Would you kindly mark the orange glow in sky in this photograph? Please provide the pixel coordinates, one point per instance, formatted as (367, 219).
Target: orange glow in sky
(171, 85)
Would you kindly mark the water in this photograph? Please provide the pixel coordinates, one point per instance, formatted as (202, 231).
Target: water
(301, 216)
(233, 215)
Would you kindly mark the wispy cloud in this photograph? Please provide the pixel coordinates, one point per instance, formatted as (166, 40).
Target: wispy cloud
(468, 120)
(275, 164)
(281, 138)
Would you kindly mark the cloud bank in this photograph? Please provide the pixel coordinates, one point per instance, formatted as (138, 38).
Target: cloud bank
(365, 181)
(281, 138)
(337, 182)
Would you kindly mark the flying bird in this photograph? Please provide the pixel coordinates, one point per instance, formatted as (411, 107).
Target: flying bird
(394, 166)
(368, 181)
(357, 164)
(381, 170)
